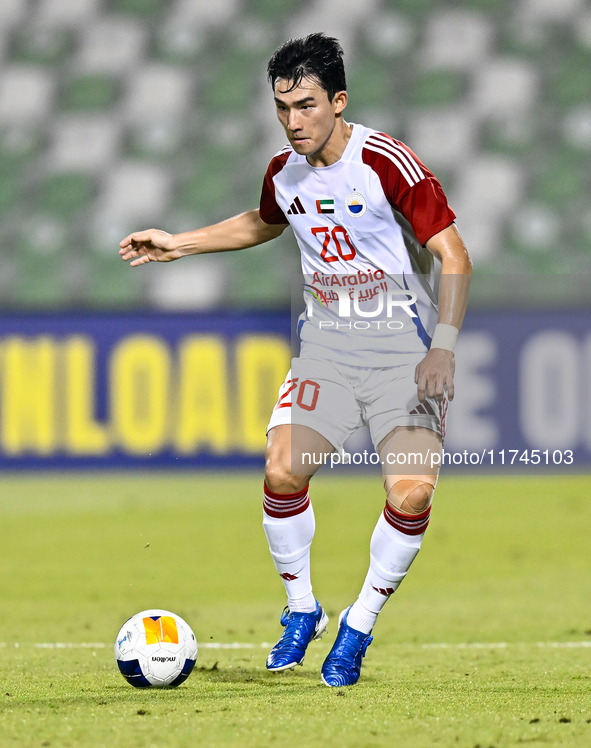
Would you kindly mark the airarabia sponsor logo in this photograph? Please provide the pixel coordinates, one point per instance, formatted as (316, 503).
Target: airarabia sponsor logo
(356, 204)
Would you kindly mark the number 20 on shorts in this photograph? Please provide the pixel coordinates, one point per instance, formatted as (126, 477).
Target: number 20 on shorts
(307, 396)
(330, 238)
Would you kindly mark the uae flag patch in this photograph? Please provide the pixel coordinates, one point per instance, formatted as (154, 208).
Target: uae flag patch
(325, 206)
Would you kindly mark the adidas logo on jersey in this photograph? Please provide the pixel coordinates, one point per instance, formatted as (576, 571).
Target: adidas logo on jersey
(296, 208)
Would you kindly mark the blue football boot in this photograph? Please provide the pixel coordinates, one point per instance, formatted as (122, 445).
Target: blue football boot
(300, 629)
(342, 667)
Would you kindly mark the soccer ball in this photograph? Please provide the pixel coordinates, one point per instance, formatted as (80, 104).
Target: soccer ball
(155, 649)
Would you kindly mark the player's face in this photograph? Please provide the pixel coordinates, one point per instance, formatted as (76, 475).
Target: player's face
(307, 115)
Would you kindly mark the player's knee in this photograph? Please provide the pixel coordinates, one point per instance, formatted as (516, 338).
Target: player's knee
(280, 480)
(411, 496)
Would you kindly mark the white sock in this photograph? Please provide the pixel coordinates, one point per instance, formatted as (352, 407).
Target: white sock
(395, 543)
(288, 521)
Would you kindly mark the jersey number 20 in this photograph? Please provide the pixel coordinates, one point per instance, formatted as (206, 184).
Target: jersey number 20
(334, 235)
(306, 400)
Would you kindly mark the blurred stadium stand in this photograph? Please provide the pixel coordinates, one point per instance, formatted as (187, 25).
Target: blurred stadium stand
(122, 114)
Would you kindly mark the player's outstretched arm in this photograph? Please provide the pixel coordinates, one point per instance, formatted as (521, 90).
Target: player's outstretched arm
(435, 373)
(242, 231)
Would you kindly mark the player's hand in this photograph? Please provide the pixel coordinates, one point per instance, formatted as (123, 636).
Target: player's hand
(152, 245)
(435, 374)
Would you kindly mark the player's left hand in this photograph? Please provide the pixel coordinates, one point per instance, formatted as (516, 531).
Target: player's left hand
(435, 374)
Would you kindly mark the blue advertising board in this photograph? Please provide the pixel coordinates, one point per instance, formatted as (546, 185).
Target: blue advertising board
(522, 386)
(161, 390)
(112, 390)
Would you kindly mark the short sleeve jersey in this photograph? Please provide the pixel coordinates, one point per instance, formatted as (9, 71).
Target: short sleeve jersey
(366, 215)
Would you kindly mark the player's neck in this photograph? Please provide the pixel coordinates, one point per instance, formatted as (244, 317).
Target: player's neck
(334, 147)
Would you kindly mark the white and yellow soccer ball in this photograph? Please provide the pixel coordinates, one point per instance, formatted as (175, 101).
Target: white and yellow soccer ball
(155, 649)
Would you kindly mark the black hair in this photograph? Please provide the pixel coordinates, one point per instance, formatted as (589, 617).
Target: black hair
(315, 56)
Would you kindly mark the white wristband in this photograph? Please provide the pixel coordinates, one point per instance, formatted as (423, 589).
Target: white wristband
(445, 336)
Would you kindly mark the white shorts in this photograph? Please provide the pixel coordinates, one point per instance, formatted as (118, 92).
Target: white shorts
(336, 399)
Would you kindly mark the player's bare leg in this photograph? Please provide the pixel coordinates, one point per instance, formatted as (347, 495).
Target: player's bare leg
(288, 521)
(409, 480)
(287, 470)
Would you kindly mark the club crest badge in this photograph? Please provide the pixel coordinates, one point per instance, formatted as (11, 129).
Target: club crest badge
(356, 204)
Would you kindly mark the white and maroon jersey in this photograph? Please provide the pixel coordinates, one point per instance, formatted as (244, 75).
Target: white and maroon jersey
(361, 224)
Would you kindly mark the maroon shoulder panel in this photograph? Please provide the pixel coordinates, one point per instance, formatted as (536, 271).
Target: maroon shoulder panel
(416, 193)
(269, 211)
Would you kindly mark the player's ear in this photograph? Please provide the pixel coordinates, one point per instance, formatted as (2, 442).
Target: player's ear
(340, 101)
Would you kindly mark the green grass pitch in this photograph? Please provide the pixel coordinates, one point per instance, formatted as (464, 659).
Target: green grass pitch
(486, 644)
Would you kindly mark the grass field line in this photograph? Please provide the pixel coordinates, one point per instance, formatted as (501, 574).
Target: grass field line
(266, 645)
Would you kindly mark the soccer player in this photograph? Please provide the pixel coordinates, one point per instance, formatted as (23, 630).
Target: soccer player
(369, 218)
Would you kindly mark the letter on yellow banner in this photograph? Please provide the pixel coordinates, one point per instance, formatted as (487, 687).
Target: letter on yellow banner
(83, 434)
(262, 363)
(140, 374)
(29, 396)
(202, 410)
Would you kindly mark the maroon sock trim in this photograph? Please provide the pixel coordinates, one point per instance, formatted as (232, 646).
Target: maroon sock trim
(409, 524)
(285, 496)
(280, 505)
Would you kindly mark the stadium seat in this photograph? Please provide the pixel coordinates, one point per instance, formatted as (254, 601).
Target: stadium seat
(548, 10)
(206, 13)
(26, 93)
(67, 12)
(84, 143)
(505, 86)
(158, 91)
(457, 39)
(112, 45)
(442, 135)
(135, 191)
